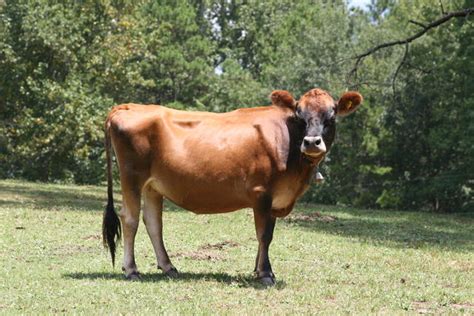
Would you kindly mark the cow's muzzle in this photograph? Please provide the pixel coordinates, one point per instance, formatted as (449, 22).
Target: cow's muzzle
(313, 146)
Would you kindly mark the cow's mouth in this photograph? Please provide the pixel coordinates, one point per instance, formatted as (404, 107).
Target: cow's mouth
(312, 157)
(314, 154)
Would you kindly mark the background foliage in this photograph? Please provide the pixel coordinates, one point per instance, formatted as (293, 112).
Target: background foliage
(63, 65)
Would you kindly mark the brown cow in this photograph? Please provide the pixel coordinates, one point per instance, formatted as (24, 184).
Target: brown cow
(208, 163)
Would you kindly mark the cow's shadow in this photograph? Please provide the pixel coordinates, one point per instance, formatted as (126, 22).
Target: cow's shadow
(240, 280)
(57, 197)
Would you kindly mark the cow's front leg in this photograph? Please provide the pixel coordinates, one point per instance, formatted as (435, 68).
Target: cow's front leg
(256, 260)
(264, 226)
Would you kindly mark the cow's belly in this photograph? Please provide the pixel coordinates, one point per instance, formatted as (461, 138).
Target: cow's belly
(212, 197)
(202, 199)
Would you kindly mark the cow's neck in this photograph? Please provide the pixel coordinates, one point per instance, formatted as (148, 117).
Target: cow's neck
(297, 161)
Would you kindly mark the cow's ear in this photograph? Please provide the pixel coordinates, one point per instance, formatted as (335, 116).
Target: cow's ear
(348, 103)
(283, 98)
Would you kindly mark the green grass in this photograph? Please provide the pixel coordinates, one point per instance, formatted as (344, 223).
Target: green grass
(340, 260)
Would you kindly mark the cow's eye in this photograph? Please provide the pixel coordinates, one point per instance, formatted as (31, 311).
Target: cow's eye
(328, 124)
(330, 121)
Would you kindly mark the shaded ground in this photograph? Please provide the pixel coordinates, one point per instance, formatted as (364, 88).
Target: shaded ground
(391, 228)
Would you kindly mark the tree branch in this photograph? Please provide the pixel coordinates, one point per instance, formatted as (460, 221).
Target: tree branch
(404, 58)
(445, 18)
(417, 23)
(442, 7)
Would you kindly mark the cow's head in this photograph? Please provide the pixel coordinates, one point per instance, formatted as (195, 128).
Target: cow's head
(319, 110)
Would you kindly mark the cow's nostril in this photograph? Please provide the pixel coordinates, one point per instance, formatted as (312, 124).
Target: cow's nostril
(306, 142)
(318, 141)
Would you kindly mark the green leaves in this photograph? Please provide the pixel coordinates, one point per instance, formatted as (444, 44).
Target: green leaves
(65, 65)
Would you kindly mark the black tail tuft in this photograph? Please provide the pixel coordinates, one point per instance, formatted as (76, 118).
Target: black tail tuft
(111, 230)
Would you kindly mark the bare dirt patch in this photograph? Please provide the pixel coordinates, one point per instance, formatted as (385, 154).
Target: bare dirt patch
(68, 250)
(463, 266)
(468, 306)
(221, 245)
(421, 307)
(211, 252)
(200, 255)
(92, 237)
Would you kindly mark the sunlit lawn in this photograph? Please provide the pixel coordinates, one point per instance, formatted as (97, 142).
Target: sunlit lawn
(329, 260)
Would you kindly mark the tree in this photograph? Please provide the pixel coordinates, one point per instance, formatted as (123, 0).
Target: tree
(71, 62)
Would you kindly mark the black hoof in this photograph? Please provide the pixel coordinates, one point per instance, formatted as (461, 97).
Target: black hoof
(267, 281)
(134, 276)
(172, 273)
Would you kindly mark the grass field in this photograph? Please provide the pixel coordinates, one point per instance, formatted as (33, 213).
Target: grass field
(328, 260)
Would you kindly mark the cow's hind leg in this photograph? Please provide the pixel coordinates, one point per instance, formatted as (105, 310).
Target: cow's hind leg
(152, 216)
(264, 226)
(130, 215)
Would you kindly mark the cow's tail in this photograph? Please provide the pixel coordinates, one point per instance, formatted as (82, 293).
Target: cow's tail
(111, 230)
